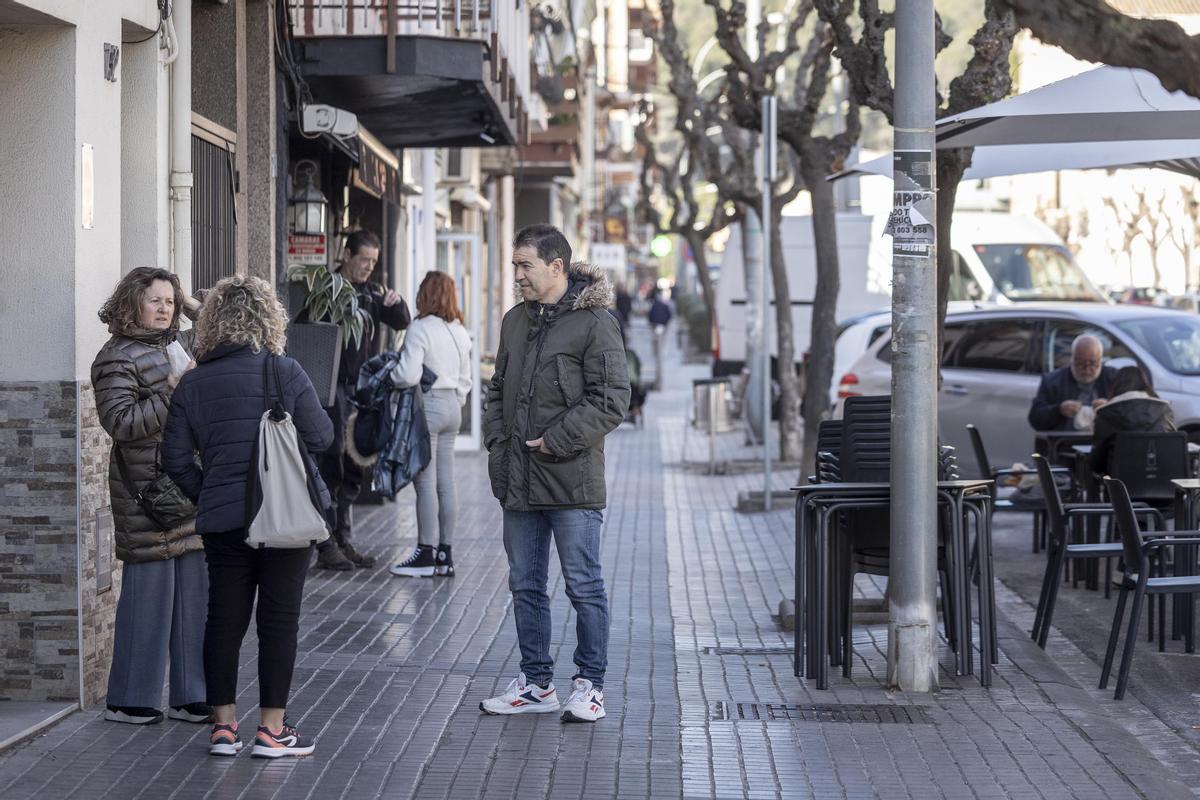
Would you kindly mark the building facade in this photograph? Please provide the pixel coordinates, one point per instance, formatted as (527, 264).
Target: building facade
(145, 133)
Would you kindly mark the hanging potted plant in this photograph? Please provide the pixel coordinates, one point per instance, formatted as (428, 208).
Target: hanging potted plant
(334, 316)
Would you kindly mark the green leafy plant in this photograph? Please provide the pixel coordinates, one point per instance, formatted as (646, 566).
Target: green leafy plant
(331, 298)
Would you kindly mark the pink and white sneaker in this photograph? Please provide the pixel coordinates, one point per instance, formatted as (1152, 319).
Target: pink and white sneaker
(522, 698)
(586, 703)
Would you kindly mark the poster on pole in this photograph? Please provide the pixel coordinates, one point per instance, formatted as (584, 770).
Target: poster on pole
(911, 223)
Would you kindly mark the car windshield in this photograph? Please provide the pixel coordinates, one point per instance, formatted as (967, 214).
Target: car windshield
(1036, 272)
(1174, 341)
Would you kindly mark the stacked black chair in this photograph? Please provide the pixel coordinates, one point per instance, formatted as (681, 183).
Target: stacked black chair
(850, 534)
(829, 448)
(1143, 558)
(866, 534)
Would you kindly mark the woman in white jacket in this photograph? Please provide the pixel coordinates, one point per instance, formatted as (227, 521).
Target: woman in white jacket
(438, 340)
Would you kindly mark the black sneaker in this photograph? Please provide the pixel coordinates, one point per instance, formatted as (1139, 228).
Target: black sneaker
(192, 712)
(133, 715)
(284, 742)
(356, 558)
(419, 565)
(332, 558)
(445, 564)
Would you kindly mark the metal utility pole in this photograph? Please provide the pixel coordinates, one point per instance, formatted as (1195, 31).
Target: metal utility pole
(912, 612)
(768, 190)
(752, 271)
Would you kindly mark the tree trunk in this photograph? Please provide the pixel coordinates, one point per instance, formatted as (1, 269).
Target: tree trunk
(789, 381)
(951, 164)
(818, 370)
(696, 243)
(1154, 263)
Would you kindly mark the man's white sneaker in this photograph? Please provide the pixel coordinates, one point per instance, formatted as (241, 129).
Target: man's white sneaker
(586, 703)
(522, 698)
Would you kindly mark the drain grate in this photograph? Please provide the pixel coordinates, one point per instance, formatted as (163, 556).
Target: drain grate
(880, 714)
(748, 651)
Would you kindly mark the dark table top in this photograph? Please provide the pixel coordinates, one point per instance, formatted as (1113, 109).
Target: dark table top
(884, 488)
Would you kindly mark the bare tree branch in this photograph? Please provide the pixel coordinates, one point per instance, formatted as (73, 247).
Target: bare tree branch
(862, 58)
(1092, 30)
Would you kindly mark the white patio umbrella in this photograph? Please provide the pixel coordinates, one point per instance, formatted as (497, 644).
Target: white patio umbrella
(1106, 104)
(990, 161)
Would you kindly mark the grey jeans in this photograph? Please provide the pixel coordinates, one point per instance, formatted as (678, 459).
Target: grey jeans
(161, 612)
(436, 503)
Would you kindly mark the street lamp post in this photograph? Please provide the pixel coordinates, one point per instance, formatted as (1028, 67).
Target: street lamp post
(768, 190)
(912, 614)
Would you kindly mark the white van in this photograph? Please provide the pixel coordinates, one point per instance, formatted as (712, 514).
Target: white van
(998, 258)
(1006, 259)
(729, 321)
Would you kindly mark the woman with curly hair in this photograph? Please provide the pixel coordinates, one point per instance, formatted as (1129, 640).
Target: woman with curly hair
(437, 340)
(215, 413)
(160, 614)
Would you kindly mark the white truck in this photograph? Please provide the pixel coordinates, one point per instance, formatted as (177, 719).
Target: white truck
(999, 258)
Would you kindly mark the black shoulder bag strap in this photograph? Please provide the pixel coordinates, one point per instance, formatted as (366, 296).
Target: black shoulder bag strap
(123, 468)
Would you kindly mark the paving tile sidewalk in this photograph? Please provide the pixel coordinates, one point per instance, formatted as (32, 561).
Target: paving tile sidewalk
(391, 672)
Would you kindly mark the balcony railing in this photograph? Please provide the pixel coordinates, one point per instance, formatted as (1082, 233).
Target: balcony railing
(501, 24)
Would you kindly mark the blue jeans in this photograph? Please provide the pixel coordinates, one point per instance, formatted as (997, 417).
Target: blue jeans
(576, 534)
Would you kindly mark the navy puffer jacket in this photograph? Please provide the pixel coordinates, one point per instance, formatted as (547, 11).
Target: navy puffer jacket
(215, 411)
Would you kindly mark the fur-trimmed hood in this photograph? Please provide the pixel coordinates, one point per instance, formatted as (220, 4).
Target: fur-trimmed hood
(588, 286)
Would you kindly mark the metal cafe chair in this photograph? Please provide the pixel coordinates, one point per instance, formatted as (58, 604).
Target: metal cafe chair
(1142, 576)
(1059, 548)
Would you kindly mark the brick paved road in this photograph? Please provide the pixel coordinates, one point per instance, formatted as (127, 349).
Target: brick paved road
(391, 672)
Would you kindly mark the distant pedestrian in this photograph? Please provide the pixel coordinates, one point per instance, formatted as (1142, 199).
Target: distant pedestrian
(164, 587)
(660, 318)
(216, 412)
(343, 475)
(561, 385)
(624, 304)
(437, 341)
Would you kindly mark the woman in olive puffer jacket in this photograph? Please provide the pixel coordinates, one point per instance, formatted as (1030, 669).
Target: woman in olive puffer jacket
(164, 588)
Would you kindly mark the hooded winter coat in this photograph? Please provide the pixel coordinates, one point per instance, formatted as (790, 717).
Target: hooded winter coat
(561, 376)
(1131, 411)
(132, 397)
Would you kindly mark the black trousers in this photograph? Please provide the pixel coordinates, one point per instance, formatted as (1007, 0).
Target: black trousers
(343, 477)
(236, 573)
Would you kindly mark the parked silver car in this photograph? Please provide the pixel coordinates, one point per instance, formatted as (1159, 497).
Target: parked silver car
(994, 358)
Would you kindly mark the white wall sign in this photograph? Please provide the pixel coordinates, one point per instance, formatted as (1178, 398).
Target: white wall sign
(609, 256)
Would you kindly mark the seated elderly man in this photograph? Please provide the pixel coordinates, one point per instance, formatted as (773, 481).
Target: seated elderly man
(1063, 392)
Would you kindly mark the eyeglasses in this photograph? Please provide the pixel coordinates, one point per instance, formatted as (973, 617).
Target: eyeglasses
(1093, 362)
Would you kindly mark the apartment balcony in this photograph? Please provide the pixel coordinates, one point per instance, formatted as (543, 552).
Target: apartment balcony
(422, 73)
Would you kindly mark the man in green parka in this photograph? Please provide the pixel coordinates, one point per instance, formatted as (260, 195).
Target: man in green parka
(561, 385)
